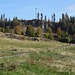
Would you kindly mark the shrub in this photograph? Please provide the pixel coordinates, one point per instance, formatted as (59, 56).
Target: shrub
(46, 35)
(65, 37)
(68, 39)
(7, 29)
(50, 36)
(49, 30)
(2, 29)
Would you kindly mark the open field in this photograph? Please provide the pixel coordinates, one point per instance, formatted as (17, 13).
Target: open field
(19, 57)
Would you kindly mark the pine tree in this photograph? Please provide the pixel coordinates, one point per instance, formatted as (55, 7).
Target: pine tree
(38, 32)
(49, 30)
(38, 16)
(41, 16)
(30, 31)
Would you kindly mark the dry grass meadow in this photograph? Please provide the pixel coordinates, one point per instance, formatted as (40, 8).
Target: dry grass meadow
(22, 57)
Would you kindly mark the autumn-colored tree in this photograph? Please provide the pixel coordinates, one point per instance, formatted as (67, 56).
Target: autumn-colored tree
(17, 30)
(59, 32)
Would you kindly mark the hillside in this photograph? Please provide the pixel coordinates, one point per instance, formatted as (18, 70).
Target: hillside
(19, 57)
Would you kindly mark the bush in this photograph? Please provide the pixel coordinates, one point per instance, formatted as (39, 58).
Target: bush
(2, 29)
(68, 39)
(59, 37)
(7, 29)
(50, 36)
(46, 35)
(49, 30)
(65, 37)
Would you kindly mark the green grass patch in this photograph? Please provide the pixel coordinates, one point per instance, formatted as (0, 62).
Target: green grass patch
(44, 58)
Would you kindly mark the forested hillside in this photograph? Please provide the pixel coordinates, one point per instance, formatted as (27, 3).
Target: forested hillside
(64, 28)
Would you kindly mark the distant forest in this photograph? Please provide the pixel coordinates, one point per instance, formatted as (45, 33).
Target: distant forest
(64, 29)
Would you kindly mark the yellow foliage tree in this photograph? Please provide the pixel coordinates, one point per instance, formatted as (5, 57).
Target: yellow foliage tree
(17, 30)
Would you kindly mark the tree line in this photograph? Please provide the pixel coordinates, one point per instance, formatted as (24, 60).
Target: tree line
(64, 28)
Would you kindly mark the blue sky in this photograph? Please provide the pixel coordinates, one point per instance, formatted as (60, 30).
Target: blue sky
(26, 8)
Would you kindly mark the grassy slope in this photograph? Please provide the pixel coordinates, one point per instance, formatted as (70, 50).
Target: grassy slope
(45, 58)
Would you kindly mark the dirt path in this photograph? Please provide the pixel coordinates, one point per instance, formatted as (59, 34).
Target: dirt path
(26, 53)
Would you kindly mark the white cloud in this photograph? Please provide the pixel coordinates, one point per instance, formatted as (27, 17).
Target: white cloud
(71, 8)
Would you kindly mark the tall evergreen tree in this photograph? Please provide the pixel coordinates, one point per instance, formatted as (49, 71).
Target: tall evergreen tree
(15, 22)
(62, 16)
(38, 16)
(53, 17)
(30, 31)
(45, 18)
(41, 16)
